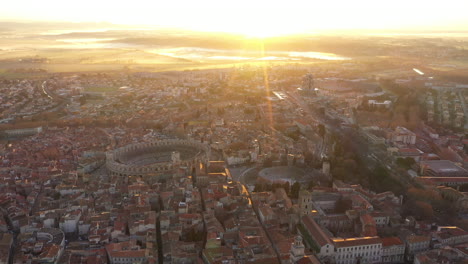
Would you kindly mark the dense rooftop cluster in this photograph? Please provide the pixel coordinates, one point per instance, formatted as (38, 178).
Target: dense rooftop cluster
(328, 175)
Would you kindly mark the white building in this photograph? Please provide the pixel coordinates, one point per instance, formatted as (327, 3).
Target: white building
(403, 135)
(320, 238)
(393, 250)
(451, 235)
(236, 160)
(69, 223)
(23, 132)
(364, 249)
(127, 252)
(375, 103)
(416, 244)
(381, 219)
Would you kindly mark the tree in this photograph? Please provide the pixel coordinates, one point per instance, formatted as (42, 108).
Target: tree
(381, 181)
(294, 135)
(268, 162)
(423, 210)
(423, 195)
(287, 187)
(321, 111)
(405, 162)
(193, 235)
(82, 100)
(56, 196)
(338, 173)
(248, 111)
(308, 157)
(464, 188)
(350, 165)
(338, 148)
(321, 130)
(258, 187)
(295, 188)
(342, 205)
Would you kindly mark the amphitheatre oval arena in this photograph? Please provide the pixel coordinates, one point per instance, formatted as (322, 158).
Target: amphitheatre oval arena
(157, 158)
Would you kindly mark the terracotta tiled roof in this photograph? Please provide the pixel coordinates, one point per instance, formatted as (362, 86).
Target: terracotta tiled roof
(316, 231)
(391, 241)
(360, 241)
(417, 239)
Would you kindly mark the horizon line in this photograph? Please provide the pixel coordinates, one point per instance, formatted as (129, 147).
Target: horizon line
(412, 30)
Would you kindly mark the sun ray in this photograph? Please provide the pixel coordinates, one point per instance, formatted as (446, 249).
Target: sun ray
(266, 84)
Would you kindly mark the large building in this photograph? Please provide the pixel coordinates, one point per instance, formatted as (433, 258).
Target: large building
(127, 252)
(158, 159)
(22, 132)
(317, 200)
(416, 244)
(450, 235)
(442, 255)
(358, 250)
(320, 240)
(393, 250)
(445, 181)
(441, 168)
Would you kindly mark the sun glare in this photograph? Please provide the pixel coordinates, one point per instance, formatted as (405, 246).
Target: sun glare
(253, 18)
(259, 32)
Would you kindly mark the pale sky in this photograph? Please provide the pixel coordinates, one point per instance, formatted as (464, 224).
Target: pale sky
(251, 16)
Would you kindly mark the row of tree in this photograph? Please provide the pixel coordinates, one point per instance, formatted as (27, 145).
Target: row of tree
(291, 190)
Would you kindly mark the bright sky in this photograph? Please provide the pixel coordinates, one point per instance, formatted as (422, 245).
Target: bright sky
(255, 17)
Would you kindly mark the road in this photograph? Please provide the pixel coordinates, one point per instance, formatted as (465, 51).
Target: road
(61, 102)
(358, 144)
(46, 91)
(12, 231)
(322, 149)
(242, 175)
(263, 226)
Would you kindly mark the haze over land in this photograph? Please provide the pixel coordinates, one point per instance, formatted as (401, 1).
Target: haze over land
(63, 47)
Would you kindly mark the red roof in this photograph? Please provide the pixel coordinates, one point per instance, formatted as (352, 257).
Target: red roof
(454, 231)
(367, 219)
(410, 150)
(304, 260)
(316, 232)
(391, 241)
(118, 225)
(360, 241)
(129, 254)
(446, 179)
(417, 239)
(189, 216)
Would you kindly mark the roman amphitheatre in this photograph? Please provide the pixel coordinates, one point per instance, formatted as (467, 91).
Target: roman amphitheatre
(283, 174)
(158, 159)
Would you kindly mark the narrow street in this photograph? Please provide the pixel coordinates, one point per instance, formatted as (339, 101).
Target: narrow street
(263, 226)
(12, 231)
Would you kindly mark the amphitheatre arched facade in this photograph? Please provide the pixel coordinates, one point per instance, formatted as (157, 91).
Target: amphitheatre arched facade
(158, 159)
